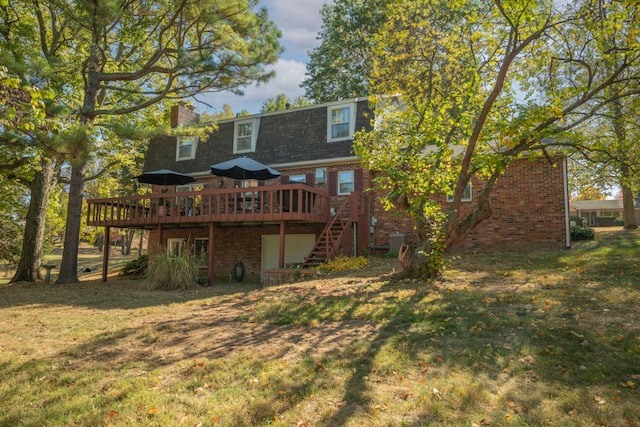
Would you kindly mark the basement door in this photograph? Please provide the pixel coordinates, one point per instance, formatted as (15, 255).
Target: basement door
(296, 247)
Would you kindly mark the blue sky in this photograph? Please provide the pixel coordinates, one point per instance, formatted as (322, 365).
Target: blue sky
(299, 22)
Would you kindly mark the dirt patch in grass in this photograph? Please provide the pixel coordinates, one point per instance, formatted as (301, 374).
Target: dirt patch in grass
(209, 321)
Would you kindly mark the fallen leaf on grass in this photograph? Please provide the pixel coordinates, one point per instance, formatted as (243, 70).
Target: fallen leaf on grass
(598, 400)
(437, 393)
(628, 384)
(530, 360)
(152, 411)
(113, 414)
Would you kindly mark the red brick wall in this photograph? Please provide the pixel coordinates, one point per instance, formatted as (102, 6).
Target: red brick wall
(528, 211)
(233, 243)
(182, 114)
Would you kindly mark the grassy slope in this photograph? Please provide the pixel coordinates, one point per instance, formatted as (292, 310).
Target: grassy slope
(501, 339)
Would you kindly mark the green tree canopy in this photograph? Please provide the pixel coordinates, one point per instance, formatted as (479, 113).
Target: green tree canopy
(482, 83)
(341, 66)
(281, 102)
(122, 57)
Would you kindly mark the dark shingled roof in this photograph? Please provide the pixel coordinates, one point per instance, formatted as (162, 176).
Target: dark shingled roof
(289, 136)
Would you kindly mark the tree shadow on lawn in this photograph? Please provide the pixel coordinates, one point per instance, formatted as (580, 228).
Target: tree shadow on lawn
(510, 350)
(117, 294)
(525, 355)
(533, 346)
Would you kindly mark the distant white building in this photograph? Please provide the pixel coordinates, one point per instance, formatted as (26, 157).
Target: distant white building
(599, 212)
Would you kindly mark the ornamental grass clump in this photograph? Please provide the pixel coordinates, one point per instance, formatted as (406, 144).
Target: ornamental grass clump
(168, 271)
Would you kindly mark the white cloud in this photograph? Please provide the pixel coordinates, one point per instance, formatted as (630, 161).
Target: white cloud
(300, 22)
(287, 80)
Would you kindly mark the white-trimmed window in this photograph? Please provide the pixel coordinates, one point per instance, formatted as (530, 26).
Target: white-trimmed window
(321, 175)
(298, 178)
(201, 250)
(341, 122)
(466, 196)
(174, 246)
(186, 147)
(245, 135)
(346, 182)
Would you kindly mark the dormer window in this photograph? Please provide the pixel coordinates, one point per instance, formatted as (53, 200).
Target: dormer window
(341, 122)
(245, 136)
(186, 147)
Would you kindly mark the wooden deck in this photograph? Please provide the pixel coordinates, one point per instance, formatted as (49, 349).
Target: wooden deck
(290, 202)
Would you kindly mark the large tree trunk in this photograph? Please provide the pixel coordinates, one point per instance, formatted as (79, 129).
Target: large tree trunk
(28, 269)
(69, 265)
(628, 208)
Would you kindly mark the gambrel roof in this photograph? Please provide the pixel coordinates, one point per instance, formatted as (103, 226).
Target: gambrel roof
(296, 136)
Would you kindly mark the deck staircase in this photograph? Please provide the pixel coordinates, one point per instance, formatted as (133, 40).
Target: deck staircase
(329, 242)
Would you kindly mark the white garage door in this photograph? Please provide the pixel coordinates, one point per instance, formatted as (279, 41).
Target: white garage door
(296, 247)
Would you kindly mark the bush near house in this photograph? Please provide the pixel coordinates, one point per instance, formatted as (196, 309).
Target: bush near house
(581, 233)
(167, 271)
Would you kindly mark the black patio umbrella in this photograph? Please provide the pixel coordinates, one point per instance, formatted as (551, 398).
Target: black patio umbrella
(244, 168)
(165, 177)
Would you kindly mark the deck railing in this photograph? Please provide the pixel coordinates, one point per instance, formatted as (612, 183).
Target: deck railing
(265, 203)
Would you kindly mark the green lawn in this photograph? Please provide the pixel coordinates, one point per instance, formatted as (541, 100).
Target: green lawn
(543, 339)
(88, 257)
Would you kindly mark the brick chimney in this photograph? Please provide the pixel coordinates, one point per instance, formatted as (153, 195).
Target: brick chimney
(183, 114)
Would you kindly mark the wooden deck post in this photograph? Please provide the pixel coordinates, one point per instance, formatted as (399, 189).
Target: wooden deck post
(210, 254)
(105, 253)
(281, 253)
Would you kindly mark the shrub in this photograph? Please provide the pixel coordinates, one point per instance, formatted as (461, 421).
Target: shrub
(582, 233)
(167, 271)
(342, 263)
(136, 267)
(605, 221)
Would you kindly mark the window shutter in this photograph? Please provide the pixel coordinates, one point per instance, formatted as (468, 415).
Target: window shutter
(311, 178)
(358, 177)
(333, 182)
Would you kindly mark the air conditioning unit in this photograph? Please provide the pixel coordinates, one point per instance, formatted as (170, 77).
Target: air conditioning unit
(395, 241)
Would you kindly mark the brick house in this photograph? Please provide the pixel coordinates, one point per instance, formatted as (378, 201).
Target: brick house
(321, 204)
(601, 213)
